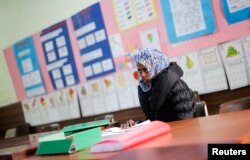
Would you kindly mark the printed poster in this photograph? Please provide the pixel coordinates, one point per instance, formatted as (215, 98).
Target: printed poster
(110, 96)
(59, 56)
(97, 97)
(29, 69)
(93, 43)
(236, 10)
(130, 13)
(235, 64)
(185, 20)
(192, 72)
(116, 45)
(212, 69)
(150, 39)
(246, 45)
(124, 90)
(84, 94)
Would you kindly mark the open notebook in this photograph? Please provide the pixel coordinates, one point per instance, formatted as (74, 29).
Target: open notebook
(134, 137)
(110, 132)
(59, 144)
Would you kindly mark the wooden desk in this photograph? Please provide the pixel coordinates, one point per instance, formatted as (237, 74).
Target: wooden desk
(20, 147)
(197, 132)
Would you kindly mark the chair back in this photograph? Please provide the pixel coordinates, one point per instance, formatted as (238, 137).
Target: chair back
(196, 96)
(20, 130)
(50, 127)
(235, 105)
(200, 109)
(110, 117)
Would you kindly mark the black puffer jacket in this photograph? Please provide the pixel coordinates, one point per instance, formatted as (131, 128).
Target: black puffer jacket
(169, 99)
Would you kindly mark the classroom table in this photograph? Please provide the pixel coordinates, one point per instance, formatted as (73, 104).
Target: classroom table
(192, 134)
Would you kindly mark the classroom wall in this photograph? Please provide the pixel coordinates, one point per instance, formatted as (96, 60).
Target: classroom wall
(19, 19)
(23, 18)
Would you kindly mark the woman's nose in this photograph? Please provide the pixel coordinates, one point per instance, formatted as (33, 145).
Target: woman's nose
(143, 74)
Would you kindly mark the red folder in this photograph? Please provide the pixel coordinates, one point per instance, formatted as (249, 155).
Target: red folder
(132, 138)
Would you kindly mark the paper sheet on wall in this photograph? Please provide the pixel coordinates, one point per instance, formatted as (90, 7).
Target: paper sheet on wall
(236, 10)
(124, 90)
(53, 108)
(97, 97)
(150, 39)
(235, 64)
(90, 31)
(192, 72)
(187, 20)
(43, 104)
(26, 107)
(212, 69)
(72, 102)
(29, 68)
(61, 101)
(84, 94)
(246, 46)
(130, 13)
(59, 55)
(134, 80)
(35, 112)
(116, 45)
(110, 95)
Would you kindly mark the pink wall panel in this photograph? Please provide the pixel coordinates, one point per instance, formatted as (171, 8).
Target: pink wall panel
(224, 31)
(131, 37)
(14, 73)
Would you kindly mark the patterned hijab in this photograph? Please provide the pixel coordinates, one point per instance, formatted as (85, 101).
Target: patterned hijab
(154, 60)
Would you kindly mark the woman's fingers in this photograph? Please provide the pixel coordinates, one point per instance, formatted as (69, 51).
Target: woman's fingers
(128, 124)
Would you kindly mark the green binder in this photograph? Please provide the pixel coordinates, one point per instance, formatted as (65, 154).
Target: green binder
(83, 126)
(61, 145)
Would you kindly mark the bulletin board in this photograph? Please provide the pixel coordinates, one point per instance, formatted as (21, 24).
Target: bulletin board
(29, 68)
(188, 20)
(131, 38)
(93, 43)
(17, 71)
(236, 11)
(114, 41)
(59, 56)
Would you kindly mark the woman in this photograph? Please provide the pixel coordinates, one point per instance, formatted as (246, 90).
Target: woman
(163, 95)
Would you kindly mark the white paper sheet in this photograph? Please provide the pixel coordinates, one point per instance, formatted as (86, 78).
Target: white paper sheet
(26, 107)
(110, 94)
(116, 45)
(97, 97)
(53, 108)
(246, 46)
(150, 39)
(62, 102)
(124, 90)
(84, 94)
(212, 70)
(187, 17)
(72, 102)
(192, 73)
(234, 63)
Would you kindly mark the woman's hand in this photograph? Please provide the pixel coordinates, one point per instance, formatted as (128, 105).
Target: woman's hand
(128, 124)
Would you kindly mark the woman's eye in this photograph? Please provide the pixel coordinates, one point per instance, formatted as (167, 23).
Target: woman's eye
(144, 70)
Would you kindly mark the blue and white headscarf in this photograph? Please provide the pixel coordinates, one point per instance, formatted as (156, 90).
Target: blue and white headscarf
(154, 60)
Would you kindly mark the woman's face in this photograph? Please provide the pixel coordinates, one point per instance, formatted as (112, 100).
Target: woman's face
(143, 71)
